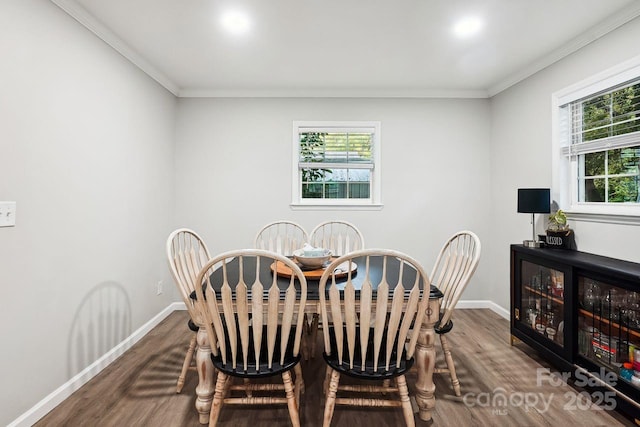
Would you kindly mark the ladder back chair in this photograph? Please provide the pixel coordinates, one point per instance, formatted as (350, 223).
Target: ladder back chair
(341, 237)
(282, 237)
(366, 329)
(456, 263)
(187, 254)
(258, 328)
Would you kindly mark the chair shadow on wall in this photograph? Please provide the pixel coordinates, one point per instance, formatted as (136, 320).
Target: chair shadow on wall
(101, 322)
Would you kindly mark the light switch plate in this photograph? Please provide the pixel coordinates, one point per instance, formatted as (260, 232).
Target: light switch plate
(7, 214)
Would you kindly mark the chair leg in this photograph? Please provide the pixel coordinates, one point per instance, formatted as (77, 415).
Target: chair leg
(248, 392)
(314, 334)
(327, 379)
(187, 362)
(401, 382)
(218, 397)
(299, 383)
(291, 399)
(385, 384)
(304, 343)
(330, 405)
(446, 348)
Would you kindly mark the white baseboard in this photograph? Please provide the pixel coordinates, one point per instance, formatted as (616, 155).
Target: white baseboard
(56, 397)
(502, 312)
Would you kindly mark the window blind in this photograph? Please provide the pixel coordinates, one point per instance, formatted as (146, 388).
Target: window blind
(336, 148)
(603, 121)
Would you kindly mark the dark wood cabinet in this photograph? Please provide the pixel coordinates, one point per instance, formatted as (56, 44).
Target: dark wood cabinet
(582, 313)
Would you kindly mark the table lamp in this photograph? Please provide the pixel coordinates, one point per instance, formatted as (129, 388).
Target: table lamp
(533, 201)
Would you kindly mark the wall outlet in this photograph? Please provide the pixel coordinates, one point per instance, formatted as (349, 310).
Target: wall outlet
(159, 288)
(7, 214)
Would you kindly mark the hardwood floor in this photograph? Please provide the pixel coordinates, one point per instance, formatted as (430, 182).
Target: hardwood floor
(138, 389)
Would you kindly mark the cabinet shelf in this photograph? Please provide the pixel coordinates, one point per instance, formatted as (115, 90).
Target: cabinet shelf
(546, 295)
(606, 321)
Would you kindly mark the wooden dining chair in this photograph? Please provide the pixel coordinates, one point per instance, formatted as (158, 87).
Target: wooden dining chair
(341, 237)
(187, 254)
(456, 263)
(258, 328)
(365, 328)
(282, 237)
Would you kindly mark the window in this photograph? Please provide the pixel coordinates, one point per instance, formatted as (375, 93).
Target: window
(597, 145)
(336, 164)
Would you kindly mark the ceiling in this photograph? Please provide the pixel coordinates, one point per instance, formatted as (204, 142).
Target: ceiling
(347, 47)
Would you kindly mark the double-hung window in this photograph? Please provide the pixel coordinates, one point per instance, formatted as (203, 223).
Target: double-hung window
(598, 146)
(336, 164)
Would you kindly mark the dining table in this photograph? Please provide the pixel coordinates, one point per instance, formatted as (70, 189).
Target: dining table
(424, 355)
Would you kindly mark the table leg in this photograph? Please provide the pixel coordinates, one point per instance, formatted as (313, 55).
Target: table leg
(205, 387)
(425, 355)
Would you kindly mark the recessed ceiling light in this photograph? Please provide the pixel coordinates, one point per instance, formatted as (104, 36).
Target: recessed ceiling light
(236, 22)
(467, 27)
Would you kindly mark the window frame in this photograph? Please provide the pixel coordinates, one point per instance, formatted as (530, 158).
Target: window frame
(565, 167)
(373, 202)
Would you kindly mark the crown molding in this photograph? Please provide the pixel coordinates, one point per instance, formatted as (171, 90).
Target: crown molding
(81, 15)
(611, 23)
(332, 93)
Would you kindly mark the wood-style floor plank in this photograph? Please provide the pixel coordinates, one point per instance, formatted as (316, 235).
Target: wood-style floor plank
(138, 389)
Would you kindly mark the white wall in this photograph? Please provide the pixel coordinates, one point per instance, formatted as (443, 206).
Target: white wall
(87, 150)
(234, 166)
(86, 146)
(521, 155)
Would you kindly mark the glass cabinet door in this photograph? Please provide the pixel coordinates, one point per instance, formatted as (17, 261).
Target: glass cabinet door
(542, 301)
(609, 327)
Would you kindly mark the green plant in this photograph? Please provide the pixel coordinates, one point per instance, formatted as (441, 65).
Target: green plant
(558, 221)
(312, 150)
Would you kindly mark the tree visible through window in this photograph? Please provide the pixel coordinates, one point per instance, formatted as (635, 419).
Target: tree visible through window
(605, 136)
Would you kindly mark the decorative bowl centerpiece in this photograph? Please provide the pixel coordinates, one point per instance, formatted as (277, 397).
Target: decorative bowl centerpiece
(311, 258)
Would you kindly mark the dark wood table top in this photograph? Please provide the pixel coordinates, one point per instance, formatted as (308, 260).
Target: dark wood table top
(357, 278)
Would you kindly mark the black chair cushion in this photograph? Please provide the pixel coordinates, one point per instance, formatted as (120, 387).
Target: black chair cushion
(368, 373)
(263, 371)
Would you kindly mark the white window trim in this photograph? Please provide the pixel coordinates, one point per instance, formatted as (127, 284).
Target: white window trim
(374, 203)
(564, 172)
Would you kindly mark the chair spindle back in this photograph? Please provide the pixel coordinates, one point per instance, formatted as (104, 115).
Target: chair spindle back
(187, 254)
(341, 237)
(380, 312)
(456, 263)
(282, 237)
(237, 308)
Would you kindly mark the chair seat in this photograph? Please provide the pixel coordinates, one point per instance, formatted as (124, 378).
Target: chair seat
(192, 326)
(263, 370)
(443, 329)
(369, 373)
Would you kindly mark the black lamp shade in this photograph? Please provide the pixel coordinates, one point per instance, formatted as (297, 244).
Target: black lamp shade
(534, 200)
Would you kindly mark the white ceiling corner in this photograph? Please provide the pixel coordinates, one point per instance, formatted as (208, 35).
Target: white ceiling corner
(80, 14)
(614, 21)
